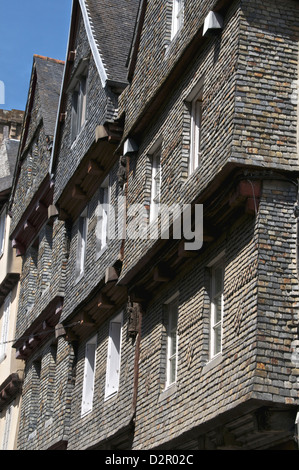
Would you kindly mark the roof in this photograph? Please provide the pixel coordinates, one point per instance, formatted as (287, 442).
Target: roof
(49, 77)
(110, 27)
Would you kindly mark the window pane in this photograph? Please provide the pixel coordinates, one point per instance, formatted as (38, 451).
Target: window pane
(172, 342)
(89, 371)
(113, 357)
(102, 223)
(156, 185)
(217, 309)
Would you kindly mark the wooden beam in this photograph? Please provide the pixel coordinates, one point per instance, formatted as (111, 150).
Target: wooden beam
(86, 320)
(93, 168)
(40, 206)
(182, 253)
(105, 302)
(28, 224)
(162, 273)
(139, 295)
(78, 193)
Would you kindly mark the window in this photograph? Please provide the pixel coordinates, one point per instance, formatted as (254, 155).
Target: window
(2, 231)
(82, 238)
(78, 106)
(195, 131)
(177, 16)
(89, 373)
(217, 284)
(36, 396)
(113, 359)
(4, 328)
(155, 184)
(102, 222)
(172, 341)
(8, 414)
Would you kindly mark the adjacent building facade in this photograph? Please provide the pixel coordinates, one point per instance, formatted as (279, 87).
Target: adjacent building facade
(11, 370)
(158, 302)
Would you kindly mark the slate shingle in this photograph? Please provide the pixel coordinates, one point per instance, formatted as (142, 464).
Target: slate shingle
(113, 26)
(49, 73)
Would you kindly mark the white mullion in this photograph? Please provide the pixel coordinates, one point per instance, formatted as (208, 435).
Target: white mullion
(4, 330)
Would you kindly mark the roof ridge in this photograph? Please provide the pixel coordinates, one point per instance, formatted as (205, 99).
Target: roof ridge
(49, 58)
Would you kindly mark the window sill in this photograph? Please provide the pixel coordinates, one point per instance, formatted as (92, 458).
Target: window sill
(167, 392)
(79, 277)
(85, 413)
(215, 361)
(99, 254)
(74, 142)
(111, 396)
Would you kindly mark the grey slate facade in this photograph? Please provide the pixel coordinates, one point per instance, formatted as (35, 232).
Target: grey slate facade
(153, 345)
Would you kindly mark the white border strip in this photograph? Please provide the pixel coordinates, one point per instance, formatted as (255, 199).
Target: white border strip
(93, 45)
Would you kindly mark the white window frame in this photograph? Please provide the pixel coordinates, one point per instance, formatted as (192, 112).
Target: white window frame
(177, 16)
(156, 182)
(2, 231)
(79, 100)
(89, 375)
(172, 308)
(216, 321)
(5, 327)
(103, 216)
(114, 356)
(81, 243)
(195, 130)
(6, 434)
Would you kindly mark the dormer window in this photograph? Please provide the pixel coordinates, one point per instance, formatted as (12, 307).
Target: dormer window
(78, 107)
(177, 16)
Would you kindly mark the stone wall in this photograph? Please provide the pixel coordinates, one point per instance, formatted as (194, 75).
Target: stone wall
(11, 124)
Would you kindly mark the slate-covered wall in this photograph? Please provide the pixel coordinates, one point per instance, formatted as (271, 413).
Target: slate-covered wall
(43, 274)
(101, 106)
(47, 396)
(266, 101)
(34, 168)
(259, 328)
(110, 416)
(215, 64)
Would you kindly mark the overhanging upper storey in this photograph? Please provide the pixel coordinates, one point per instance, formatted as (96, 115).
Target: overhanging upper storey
(87, 129)
(32, 188)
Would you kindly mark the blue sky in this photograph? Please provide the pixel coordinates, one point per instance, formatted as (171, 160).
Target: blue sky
(29, 27)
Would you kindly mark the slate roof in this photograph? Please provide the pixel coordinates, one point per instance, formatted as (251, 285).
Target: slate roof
(112, 24)
(49, 76)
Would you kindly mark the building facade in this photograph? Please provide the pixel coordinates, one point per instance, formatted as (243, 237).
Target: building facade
(159, 287)
(34, 234)
(11, 370)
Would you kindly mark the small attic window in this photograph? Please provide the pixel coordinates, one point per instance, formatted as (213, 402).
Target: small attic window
(177, 16)
(78, 89)
(78, 107)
